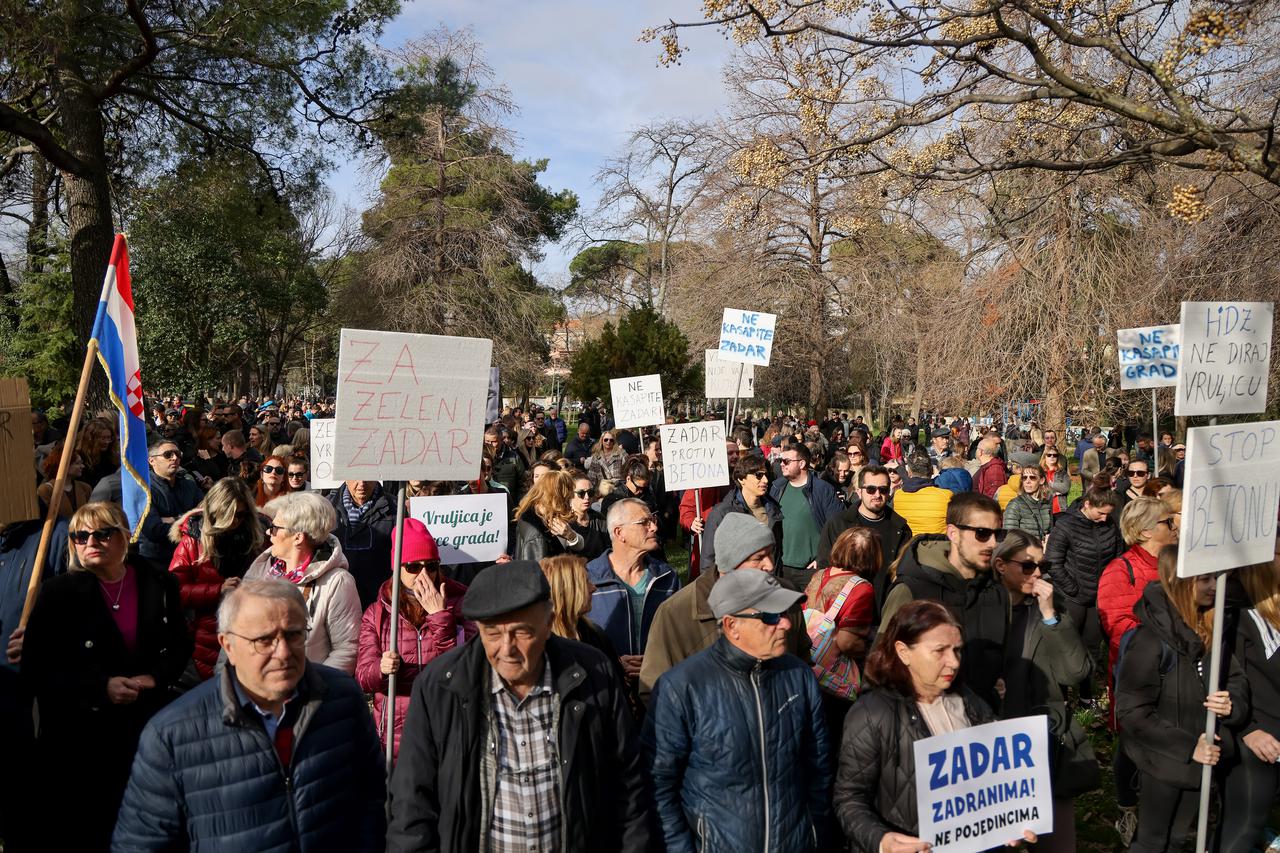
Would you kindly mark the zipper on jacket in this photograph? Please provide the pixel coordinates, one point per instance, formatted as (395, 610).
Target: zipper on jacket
(284, 775)
(702, 832)
(764, 758)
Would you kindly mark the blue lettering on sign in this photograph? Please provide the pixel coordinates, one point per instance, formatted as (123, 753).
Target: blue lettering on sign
(974, 760)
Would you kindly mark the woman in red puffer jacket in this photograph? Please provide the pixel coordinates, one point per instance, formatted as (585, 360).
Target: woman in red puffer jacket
(216, 543)
(430, 624)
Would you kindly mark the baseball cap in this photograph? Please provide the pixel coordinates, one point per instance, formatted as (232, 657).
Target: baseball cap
(747, 588)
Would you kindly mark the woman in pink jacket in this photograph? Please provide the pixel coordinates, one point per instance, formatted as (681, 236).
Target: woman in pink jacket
(430, 623)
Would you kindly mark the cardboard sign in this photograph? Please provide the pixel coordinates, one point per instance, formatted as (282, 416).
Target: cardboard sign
(493, 407)
(723, 375)
(1230, 497)
(980, 787)
(694, 456)
(322, 454)
(1226, 355)
(410, 407)
(1148, 356)
(467, 528)
(747, 336)
(637, 401)
(17, 470)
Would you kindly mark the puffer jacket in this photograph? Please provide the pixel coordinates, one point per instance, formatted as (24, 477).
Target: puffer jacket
(1027, 513)
(733, 502)
(981, 604)
(737, 751)
(1077, 552)
(441, 632)
(207, 778)
(875, 787)
(954, 480)
(923, 505)
(1160, 693)
(333, 605)
(200, 585)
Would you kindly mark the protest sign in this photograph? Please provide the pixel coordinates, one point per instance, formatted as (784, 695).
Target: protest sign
(18, 497)
(1148, 356)
(1226, 354)
(322, 454)
(1230, 497)
(493, 406)
(980, 787)
(747, 336)
(467, 528)
(722, 377)
(410, 407)
(637, 401)
(694, 456)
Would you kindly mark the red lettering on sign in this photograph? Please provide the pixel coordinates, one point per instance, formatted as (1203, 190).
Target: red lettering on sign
(362, 361)
(362, 405)
(404, 360)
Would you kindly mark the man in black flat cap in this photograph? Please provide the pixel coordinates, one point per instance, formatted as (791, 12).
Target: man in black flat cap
(519, 740)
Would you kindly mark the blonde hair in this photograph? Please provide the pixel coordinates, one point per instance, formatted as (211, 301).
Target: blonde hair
(1043, 491)
(549, 497)
(570, 592)
(1182, 595)
(1262, 583)
(228, 497)
(1139, 514)
(95, 516)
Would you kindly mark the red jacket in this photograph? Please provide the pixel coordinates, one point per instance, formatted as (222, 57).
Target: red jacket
(991, 477)
(200, 588)
(1116, 598)
(416, 647)
(709, 497)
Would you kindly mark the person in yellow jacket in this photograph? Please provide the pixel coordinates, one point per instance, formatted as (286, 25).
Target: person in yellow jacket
(920, 503)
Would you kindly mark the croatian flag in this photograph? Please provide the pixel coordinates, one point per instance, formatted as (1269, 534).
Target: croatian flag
(117, 341)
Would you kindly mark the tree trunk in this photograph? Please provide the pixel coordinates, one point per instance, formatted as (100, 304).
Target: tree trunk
(38, 232)
(6, 284)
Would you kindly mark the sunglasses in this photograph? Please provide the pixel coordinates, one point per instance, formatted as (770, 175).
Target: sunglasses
(298, 475)
(606, 441)
(582, 493)
(878, 490)
(168, 454)
(1051, 456)
(1029, 566)
(759, 475)
(1137, 472)
(272, 469)
(1167, 522)
(420, 566)
(81, 537)
(983, 534)
(765, 618)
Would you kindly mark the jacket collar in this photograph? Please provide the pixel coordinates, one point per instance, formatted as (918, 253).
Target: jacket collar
(736, 660)
(470, 673)
(600, 570)
(310, 688)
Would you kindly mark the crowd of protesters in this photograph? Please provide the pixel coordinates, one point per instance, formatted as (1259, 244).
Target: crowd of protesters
(223, 683)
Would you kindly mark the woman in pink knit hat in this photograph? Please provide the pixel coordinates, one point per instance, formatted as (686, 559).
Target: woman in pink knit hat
(430, 623)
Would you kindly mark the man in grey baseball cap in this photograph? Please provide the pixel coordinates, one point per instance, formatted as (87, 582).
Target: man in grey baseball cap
(742, 703)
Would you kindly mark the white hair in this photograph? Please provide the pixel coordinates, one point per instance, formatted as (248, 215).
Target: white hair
(614, 518)
(270, 588)
(303, 512)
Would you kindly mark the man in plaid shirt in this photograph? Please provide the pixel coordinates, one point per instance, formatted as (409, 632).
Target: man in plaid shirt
(519, 740)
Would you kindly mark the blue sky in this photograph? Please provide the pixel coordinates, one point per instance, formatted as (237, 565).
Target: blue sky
(580, 78)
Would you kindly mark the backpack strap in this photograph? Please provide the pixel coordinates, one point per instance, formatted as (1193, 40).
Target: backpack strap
(1129, 567)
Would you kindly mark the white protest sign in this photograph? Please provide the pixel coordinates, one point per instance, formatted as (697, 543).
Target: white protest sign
(322, 454)
(980, 787)
(467, 528)
(694, 456)
(1230, 496)
(410, 407)
(637, 401)
(747, 336)
(1226, 354)
(494, 403)
(1148, 356)
(723, 375)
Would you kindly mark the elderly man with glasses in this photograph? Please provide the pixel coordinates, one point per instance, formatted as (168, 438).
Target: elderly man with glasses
(274, 752)
(629, 582)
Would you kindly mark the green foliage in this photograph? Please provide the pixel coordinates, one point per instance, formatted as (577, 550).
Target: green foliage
(38, 341)
(643, 343)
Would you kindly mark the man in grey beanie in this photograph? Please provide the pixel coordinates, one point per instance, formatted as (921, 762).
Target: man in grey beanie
(684, 624)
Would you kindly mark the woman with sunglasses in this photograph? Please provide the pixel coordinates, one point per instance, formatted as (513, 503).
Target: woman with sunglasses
(1042, 653)
(587, 523)
(429, 624)
(1135, 477)
(606, 461)
(299, 470)
(1056, 477)
(272, 482)
(216, 543)
(104, 645)
(544, 519)
(1030, 509)
(304, 551)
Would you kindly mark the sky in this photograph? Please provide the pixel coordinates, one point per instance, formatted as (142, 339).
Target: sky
(580, 78)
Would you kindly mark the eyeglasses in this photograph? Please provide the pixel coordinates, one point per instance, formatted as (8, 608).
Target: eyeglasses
(272, 469)
(1137, 472)
(582, 493)
(647, 521)
(759, 475)
(983, 534)
(765, 618)
(1167, 522)
(273, 529)
(297, 475)
(878, 490)
(293, 639)
(1029, 566)
(167, 454)
(81, 537)
(788, 461)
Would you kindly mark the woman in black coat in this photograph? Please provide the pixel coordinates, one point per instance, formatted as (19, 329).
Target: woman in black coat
(105, 643)
(1161, 697)
(875, 789)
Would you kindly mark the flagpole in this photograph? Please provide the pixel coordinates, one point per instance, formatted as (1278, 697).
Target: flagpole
(55, 500)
